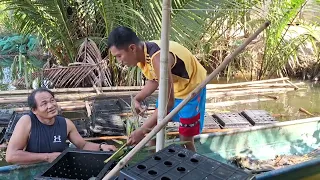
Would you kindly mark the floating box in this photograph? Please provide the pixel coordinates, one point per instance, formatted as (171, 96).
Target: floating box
(231, 120)
(210, 122)
(175, 162)
(258, 117)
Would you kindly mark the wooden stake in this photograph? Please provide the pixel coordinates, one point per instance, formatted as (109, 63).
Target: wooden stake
(305, 111)
(160, 125)
(295, 87)
(88, 109)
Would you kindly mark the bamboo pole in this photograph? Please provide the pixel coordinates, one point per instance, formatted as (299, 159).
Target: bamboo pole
(75, 90)
(305, 111)
(66, 107)
(295, 86)
(237, 102)
(159, 126)
(241, 84)
(173, 133)
(88, 109)
(248, 92)
(72, 97)
(277, 85)
(164, 69)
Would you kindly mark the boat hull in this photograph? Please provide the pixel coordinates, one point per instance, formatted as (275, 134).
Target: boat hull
(296, 137)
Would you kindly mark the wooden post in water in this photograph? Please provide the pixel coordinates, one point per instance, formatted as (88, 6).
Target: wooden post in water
(160, 125)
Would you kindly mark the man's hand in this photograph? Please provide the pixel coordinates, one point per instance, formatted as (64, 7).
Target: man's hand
(135, 137)
(106, 147)
(50, 157)
(138, 107)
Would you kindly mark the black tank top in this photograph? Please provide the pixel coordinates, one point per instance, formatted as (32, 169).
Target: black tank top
(47, 138)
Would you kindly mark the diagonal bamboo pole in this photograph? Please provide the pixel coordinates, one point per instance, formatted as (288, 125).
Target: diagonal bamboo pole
(159, 126)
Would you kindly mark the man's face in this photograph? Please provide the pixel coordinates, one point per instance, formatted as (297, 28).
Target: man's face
(127, 56)
(47, 106)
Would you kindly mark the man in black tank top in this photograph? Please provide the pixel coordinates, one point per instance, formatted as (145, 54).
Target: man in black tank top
(41, 135)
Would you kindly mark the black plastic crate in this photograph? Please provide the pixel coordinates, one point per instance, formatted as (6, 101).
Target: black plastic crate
(175, 162)
(12, 124)
(258, 117)
(5, 117)
(78, 164)
(106, 105)
(231, 120)
(82, 126)
(107, 124)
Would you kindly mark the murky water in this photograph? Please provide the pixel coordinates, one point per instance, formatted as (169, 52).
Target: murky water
(286, 107)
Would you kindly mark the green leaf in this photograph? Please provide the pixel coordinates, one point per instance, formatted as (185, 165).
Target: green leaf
(117, 154)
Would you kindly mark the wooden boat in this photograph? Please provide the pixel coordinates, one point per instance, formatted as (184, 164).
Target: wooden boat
(262, 142)
(298, 137)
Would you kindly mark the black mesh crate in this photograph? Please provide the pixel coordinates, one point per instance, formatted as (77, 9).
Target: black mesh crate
(78, 164)
(175, 162)
(106, 105)
(258, 117)
(6, 116)
(107, 124)
(12, 124)
(231, 120)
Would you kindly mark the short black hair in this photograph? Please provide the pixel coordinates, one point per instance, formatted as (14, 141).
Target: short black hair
(31, 99)
(121, 37)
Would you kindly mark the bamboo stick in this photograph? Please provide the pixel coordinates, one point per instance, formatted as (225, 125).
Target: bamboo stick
(241, 84)
(160, 125)
(77, 98)
(295, 87)
(76, 90)
(88, 109)
(247, 92)
(66, 107)
(253, 86)
(237, 102)
(277, 85)
(269, 96)
(72, 97)
(204, 131)
(305, 111)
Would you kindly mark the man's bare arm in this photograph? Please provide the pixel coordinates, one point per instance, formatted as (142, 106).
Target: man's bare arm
(18, 141)
(147, 90)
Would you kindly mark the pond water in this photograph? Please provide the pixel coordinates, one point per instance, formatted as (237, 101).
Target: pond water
(286, 107)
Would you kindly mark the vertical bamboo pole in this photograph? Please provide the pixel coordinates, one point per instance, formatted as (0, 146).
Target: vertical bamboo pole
(160, 125)
(163, 86)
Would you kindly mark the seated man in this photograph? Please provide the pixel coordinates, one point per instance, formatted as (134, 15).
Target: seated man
(185, 74)
(41, 135)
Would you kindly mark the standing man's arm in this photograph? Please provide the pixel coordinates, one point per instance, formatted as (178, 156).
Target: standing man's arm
(18, 142)
(138, 135)
(147, 90)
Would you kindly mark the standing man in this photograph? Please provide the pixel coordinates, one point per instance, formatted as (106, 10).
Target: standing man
(185, 74)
